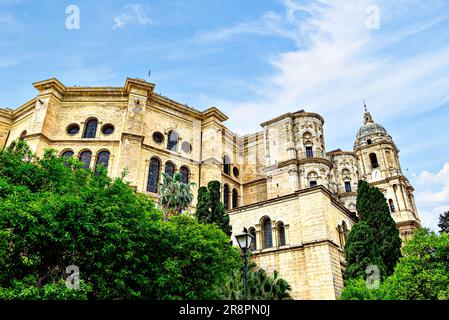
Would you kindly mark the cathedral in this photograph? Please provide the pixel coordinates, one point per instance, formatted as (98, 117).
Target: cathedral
(296, 198)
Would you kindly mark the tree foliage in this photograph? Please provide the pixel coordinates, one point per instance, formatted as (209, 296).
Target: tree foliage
(444, 222)
(421, 274)
(361, 251)
(175, 195)
(202, 212)
(373, 209)
(210, 209)
(260, 286)
(53, 216)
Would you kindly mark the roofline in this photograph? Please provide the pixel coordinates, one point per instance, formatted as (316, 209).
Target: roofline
(299, 113)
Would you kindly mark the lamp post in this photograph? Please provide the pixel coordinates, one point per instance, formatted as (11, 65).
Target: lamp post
(244, 240)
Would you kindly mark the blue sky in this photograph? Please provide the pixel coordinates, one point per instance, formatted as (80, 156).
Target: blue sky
(257, 59)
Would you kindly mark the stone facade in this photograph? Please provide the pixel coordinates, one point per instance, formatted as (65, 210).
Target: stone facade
(280, 183)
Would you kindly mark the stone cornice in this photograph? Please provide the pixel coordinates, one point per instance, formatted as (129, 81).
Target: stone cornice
(254, 182)
(212, 161)
(230, 178)
(319, 188)
(318, 160)
(139, 84)
(415, 223)
(51, 83)
(75, 92)
(133, 136)
(379, 143)
(37, 135)
(293, 247)
(27, 106)
(214, 112)
(292, 115)
(169, 153)
(339, 152)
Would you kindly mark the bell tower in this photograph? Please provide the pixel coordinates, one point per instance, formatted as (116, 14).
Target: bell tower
(379, 165)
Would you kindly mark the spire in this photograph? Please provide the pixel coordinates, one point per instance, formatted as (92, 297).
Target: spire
(367, 116)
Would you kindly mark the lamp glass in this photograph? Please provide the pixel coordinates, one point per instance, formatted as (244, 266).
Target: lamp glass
(244, 240)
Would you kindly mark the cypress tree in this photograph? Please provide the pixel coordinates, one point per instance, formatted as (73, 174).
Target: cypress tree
(373, 209)
(210, 209)
(444, 222)
(361, 251)
(202, 212)
(217, 210)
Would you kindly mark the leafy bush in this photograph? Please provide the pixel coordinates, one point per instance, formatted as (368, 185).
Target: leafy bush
(54, 213)
(421, 274)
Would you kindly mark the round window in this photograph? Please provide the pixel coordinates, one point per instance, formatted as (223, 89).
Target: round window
(186, 147)
(158, 137)
(73, 129)
(107, 129)
(235, 171)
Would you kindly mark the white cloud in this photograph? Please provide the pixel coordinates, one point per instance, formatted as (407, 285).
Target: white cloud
(433, 197)
(337, 63)
(136, 14)
(270, 24)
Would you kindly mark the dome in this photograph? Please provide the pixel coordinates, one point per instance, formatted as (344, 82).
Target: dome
(369, 129)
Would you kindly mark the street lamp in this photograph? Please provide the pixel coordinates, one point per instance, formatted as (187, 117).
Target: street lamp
(244, 240)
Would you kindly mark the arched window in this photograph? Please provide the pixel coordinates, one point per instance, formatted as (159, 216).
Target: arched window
(391, 204)
(312, 178)
(281, 234)
(345, 231)
(226, 196)
(153, 175)
(267, 233)
(235, 198)
(169, 169)
(85, 157)
(90, 129)
(253, 246)
(67, 154)
(185, 174)
(348, 186)
(369, 141)
(309, 152)
(22, 135)
(102, 159)
(172, 142)
(341, 237)
(227, 165)
(373, 159)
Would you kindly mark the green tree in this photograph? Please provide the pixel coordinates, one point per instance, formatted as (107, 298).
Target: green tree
(260, 286)
(210, 209)
(356, 289)
(175, 195)
(202, 212)
(53, 216)
(423, 272)
(373, 209)
(444, 222)
(361, 251)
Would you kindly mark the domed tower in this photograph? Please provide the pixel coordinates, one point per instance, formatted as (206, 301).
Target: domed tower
(378, 163)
